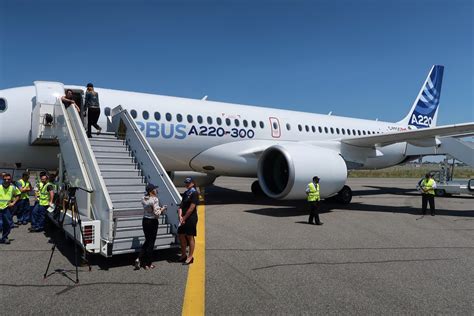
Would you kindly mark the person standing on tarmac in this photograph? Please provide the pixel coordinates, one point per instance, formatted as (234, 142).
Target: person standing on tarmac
(46, 198)
(9, 195)
(151, 211)
(93, 110)
(188, 219)
(312, 191)
(23, 205)
(428, 186)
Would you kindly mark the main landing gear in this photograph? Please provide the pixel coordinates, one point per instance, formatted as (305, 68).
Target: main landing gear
(257, 189)
(344, 196)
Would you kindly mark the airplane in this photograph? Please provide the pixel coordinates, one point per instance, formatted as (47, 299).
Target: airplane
(284, 149)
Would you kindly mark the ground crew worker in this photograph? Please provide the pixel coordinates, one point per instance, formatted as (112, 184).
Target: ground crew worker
(23, 205)
(428, 186)
(9, 195)
(46, 198)
(312, 190)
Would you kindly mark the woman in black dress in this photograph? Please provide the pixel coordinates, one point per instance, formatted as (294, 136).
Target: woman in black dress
(188, 220)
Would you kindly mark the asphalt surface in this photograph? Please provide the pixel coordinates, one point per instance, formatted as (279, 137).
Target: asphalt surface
(376, 255)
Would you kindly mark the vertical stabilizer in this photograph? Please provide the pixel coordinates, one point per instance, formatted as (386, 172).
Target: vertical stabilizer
(424, 111)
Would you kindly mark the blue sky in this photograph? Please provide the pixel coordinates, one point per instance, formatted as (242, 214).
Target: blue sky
(365, 59)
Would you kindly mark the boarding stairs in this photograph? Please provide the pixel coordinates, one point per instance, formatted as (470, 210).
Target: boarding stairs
(453, 146)
(115, 166)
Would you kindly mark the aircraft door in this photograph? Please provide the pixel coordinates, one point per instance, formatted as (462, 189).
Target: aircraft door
(48, 92)
(275, 126)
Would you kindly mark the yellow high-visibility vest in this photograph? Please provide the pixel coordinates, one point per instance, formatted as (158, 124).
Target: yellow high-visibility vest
(44, 194)
(24, 184)
(428, 184)
(313, 194)
(7, 195)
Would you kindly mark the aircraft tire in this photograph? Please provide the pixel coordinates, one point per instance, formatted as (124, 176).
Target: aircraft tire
(257, 189)
(345, 195)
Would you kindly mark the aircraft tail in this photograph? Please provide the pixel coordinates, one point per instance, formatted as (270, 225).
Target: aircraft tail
(424, 112)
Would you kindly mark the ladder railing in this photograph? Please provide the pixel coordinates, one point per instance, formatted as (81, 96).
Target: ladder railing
(151, 167)
(82, 168)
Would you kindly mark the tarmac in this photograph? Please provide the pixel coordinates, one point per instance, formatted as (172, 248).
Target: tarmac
(376, 255)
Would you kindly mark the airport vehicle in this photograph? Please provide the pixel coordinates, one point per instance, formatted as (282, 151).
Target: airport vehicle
(153, 138)
(446, 185)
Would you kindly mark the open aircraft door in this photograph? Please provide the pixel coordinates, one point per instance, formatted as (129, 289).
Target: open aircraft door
(275, 126)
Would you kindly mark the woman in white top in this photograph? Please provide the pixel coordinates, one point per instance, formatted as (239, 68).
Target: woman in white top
(151, 211)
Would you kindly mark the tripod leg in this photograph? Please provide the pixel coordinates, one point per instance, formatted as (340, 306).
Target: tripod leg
(73, 209)
(83, 240)
(61, 225)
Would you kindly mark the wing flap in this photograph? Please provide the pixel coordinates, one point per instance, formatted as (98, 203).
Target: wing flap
(416, 137)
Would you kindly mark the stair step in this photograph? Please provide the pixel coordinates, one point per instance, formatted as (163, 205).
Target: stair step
(121, 195)
(127, 212)
(118, 165)
(126, 188)
(120, 173)
(101, 141)
(116, 154)
(137, 231)
(103, 159)
(126, 245)
(109, 150)
(108, 143)
(131, 181)
(121, 204)
(134, 221)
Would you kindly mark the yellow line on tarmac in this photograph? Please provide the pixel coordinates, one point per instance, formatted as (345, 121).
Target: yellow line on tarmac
(195, 293)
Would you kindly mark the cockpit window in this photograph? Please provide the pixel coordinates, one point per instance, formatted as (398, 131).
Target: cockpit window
(3, 105)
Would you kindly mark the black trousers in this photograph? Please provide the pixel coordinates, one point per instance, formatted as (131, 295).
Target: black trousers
(150, 228)
(92, 118)
(313, 212)
(427, 198)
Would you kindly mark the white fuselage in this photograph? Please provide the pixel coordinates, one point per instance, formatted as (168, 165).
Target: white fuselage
(180, 129)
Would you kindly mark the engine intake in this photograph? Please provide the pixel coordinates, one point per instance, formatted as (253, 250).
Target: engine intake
(285, 170)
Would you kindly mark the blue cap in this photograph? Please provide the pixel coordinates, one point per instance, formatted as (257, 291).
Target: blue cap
(188, 180)
(150, 187)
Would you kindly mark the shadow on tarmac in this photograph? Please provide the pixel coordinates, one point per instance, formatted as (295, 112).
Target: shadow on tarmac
(288, 208)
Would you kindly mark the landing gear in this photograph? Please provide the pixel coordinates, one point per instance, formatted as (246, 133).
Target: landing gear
(257, 189)
(345, 195)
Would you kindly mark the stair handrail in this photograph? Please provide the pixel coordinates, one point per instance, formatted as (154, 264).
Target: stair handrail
(144, 154)
(100, 198)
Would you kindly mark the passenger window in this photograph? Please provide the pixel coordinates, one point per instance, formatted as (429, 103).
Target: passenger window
(254, 124)
(168, 117)
(245, 123)
(227, 121)
(133, 113)
(300, 128)
(237, 122)
(3, 105)
(288, 126)
(145, 115)
(337, 130)
(332, 130)
(354, 132)
(326, 130)
(262, 125)
(179, 118)
(306, 127)
(320, 129)
(199, 119)
(363, 132)
(157, 116)
(218, 121)
(275, 125)
(313, 129)
(343, 131)
(190, 118)
(209, 120)
(348, 131)
(106, 111)
(358, 132)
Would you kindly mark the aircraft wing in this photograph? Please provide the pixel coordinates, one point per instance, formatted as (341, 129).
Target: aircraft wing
(421, 137)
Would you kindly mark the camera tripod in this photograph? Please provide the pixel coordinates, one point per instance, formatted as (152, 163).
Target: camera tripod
(75, 220)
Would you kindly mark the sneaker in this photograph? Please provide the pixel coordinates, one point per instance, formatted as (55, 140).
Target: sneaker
(137, 264)
(5, 241)
(99, 130)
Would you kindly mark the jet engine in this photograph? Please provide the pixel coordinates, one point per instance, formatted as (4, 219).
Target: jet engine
(284, 171)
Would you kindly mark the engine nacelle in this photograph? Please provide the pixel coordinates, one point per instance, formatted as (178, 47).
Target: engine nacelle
(200, 179)
(284, 171)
